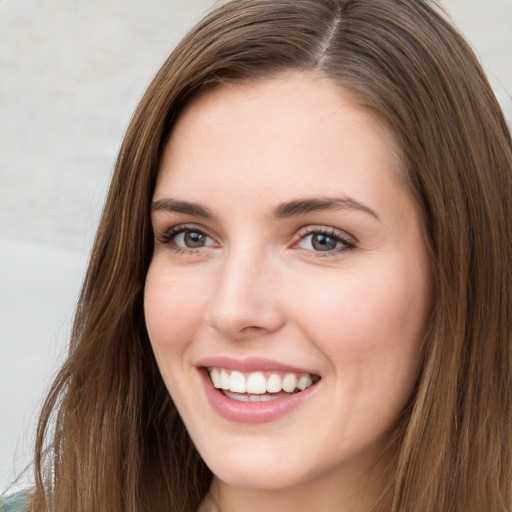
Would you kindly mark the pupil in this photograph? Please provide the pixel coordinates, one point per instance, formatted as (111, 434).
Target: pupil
(193, 239)
(323, 243)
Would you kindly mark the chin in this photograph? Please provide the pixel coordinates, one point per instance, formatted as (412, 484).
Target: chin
(257, 469)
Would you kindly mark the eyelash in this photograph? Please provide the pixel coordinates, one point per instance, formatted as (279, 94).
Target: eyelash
(334, 234)
(347, 245)
(168, 237)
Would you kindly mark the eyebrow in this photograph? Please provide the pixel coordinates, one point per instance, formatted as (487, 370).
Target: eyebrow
(283, 211)
(308, 205)
(174, 205)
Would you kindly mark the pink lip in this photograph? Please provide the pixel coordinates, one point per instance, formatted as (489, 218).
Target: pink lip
(252, 412)
(251, 364)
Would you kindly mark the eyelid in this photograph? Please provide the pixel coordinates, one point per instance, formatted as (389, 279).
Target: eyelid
(330, 230)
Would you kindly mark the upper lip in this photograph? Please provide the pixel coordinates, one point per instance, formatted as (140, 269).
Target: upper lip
(250, 364)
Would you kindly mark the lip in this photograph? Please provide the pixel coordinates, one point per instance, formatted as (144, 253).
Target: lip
(251, 364)
(251, 412)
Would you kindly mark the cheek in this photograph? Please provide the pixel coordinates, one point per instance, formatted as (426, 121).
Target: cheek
(173, 307)
(370, 324)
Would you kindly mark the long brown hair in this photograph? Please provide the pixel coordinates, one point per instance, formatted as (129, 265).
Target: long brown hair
(109, 436)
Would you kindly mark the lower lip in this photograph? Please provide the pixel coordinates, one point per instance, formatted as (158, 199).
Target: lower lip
(252, 412)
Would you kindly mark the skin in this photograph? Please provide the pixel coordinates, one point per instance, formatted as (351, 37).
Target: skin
(260, 287)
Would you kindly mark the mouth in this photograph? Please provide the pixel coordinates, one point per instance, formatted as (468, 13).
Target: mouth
(259, 386)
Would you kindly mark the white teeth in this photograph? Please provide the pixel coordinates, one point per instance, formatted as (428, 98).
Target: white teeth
(224, 379)
(256, 383)
(238, 397)
(305, 381)
(215, 376)
(274, 383)
(251, 398)
(237, 383)
(289, 382)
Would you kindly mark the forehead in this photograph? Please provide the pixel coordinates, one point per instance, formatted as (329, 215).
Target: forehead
(320, 98)
(298, 128)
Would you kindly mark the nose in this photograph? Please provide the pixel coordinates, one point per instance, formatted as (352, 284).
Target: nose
(245, 300)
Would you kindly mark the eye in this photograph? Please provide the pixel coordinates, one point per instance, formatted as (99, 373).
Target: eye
(325, 241)
(190, 239)
(187, 238)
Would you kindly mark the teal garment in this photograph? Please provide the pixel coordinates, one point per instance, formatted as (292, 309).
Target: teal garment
(14, 503)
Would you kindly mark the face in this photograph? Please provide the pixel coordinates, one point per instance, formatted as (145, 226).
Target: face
(289, 269)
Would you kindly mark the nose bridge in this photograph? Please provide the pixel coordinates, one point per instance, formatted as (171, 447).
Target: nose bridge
(244, 301)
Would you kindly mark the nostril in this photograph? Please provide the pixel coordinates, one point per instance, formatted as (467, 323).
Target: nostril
(251, 328)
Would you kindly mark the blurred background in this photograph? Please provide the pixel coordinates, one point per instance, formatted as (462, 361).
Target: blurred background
(71, 73)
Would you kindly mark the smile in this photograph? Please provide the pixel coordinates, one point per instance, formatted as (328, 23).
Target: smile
(260, 386)
(256, 390)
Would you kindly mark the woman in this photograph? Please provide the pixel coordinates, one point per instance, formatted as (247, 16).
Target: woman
(311, 206)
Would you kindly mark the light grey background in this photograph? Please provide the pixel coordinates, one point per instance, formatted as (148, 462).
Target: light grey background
(71, 73)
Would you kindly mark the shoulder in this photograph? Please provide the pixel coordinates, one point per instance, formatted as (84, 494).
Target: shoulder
(14, 503)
